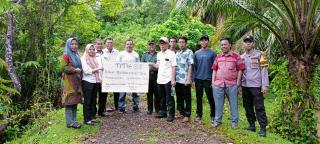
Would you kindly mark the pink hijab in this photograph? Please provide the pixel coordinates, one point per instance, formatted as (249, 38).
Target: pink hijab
(92, 62)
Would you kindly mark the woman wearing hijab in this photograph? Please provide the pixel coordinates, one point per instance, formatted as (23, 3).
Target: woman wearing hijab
(90, 82)
(71, 82)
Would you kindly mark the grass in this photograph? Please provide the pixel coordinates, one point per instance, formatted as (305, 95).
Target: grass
(56, 132)
(52, 129)
(226, 134)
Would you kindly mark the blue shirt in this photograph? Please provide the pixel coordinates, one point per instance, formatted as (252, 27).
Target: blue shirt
(184, 61)
(203, 60)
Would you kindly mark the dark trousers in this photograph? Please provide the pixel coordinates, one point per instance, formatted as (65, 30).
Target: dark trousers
(90, 100)
(153, 91)
(206, 85)
(254, 105)
(102, 100)
(166, 99)
(183, 94)
(115, 99)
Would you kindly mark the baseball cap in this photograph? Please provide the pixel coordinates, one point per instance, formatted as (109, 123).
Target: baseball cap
(164, 39)
(204, 37)
(248, 38)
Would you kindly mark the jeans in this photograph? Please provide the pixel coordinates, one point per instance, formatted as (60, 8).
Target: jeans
(90, 100)
(122, 102)
(183, 94)
(166, 99)
(253, 104)
(206, 85)
(71, 114)
(219, 94)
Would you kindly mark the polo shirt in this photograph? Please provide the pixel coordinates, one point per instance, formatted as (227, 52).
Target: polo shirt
(166, 60)
(227, 67)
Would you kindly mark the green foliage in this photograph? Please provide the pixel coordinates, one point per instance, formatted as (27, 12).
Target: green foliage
(182, 25)
(290, 104)
(135, 23)
(52, 129)
(80, 21)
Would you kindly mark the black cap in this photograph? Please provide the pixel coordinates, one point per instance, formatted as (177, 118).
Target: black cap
(204, 37)
(248, 38)
(151, 42)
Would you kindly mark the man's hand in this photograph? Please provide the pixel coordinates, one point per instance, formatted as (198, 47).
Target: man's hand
(78, 70)
(264, 89)
(188, 82)
(173, 82)
(239, 89)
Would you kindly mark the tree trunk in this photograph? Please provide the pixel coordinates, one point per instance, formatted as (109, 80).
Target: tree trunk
(301, 73)
(9, 53)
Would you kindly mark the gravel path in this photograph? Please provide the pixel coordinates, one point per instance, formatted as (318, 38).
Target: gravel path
(138, 127)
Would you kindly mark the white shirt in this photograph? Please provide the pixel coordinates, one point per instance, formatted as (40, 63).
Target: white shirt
(99, 58)
(110, 56)
(125, 56)
(166, 60)
(87, 72)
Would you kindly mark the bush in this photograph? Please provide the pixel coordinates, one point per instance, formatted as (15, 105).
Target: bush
(294, 118)
(179, 24)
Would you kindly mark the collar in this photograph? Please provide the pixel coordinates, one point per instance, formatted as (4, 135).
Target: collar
(228, 54)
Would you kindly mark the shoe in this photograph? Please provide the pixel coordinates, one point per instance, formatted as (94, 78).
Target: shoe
(234, 126)
(198, 119)
(262, 132)
(135, 109)
(122, 111)
(215, 124)
(149, 113)
(104, 114)
(250, 128)
(74, 125)
(170, 118)
(89, 123)
(95, 121)
(179, 116)
(160, 115)
(186, 119)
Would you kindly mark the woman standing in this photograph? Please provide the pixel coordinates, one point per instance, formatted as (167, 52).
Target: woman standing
(90, 82)
(71, 82)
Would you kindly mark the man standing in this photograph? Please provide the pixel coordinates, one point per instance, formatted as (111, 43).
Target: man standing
(202, 76)
(166, 63)
(255, 82)
(226, 78)
(102, 99)
(110, 54)
(151, 57)
(128, 55)
(184, 58)
(173, 44)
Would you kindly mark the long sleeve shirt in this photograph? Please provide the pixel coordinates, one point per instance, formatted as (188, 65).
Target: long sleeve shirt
(255, 73)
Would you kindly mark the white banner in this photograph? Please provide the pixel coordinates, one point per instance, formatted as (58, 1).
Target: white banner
(125, 77)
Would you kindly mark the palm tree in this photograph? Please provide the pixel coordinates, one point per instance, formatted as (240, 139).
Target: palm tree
(293, 26)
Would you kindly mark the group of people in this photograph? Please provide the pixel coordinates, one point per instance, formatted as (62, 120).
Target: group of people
(171, 70)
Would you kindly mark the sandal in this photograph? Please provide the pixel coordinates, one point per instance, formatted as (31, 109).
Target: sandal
(74, 125)
(89, 123)
(95, 121)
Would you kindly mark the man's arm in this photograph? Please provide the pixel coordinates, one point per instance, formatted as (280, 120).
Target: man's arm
(189, 77)
(173, 79)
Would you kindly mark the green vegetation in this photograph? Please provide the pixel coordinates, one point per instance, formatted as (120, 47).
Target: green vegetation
(32, 34)
(51, 129)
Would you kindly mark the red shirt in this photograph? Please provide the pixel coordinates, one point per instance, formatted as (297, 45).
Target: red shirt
(227, 67)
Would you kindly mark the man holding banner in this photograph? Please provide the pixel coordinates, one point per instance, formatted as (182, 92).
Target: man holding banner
(128, 55)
